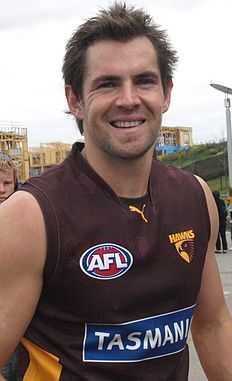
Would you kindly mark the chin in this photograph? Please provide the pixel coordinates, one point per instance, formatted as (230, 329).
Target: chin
(133, 149)
(127, 154)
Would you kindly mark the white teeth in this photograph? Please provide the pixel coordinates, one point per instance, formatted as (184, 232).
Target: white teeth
(132, 123)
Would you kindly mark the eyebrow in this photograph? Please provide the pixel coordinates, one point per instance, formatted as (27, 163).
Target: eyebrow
(103, 78)
(149, 73)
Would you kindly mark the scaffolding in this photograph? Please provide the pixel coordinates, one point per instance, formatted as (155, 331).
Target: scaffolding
(13, 141)
(46, 156)
(174, 139)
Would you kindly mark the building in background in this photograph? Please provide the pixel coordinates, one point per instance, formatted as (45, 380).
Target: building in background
(46, 156)
(174, 139)
(13, 141)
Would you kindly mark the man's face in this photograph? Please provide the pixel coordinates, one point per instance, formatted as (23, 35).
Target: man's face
(7, 184)
(123, 98)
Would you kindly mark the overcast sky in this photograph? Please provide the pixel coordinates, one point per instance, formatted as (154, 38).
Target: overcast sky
(33, 34)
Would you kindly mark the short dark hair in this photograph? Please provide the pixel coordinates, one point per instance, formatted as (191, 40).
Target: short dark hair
(120, 23)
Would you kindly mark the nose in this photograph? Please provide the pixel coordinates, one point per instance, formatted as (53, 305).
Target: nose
(2, 188)
(128, 96)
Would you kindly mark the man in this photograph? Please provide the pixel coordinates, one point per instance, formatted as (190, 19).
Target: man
(108, 268)
(222, 213)
(230, 221)
(8, 185)
(229, 217)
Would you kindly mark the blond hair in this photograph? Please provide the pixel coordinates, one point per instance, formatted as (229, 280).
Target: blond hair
(7, 163)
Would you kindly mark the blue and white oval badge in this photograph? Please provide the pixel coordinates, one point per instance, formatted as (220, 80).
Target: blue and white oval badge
(106, 261)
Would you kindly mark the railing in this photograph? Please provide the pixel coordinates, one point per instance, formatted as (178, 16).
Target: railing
(11, 127)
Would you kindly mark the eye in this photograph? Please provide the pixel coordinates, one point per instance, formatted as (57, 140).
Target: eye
(146, 81)
(107, 85)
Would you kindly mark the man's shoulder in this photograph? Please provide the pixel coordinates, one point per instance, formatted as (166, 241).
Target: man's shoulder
(22, 225)
(21, 209)
(51, 180)
(18, 202)
(170, 171)
(176, 183)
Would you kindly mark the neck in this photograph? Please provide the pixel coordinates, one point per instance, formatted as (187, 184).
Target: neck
(127, 177)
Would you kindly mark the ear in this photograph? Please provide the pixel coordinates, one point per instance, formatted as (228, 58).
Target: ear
(74, 102)
(167, 96)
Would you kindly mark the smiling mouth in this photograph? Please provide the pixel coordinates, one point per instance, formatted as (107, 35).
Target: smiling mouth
(127, 124)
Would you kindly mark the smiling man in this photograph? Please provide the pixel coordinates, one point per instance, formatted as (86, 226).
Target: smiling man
(110, 267)
(122, 102)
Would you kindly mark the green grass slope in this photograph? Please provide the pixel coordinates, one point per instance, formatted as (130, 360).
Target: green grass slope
(208, 161)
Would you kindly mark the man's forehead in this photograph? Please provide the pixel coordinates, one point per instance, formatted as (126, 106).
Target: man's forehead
(107, 56)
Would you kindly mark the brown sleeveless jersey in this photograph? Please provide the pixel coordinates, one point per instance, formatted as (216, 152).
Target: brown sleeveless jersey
(120, 283)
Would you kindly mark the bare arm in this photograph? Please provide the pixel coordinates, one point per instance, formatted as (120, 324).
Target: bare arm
(22, 258)
(212, 323)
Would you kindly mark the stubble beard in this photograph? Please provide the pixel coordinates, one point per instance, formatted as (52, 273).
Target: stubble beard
(128, 154)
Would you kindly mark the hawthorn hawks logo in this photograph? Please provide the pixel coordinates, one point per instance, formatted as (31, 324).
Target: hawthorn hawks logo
(184, 244)
(106, 261)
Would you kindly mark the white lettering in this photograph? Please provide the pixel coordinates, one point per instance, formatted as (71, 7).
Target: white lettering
(187, 327)
(108, 259)
(117, 340)
(175, 332)
(103, 263)
(101, 336)
(119, 263)
(153, 341)
(132, 337)
(179, 331)
(96, 263)
(167, 335)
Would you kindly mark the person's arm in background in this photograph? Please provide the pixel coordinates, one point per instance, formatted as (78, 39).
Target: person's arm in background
(22, 258)
(212, 322)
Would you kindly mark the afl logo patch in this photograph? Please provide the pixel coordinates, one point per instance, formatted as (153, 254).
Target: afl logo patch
(106, 261)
